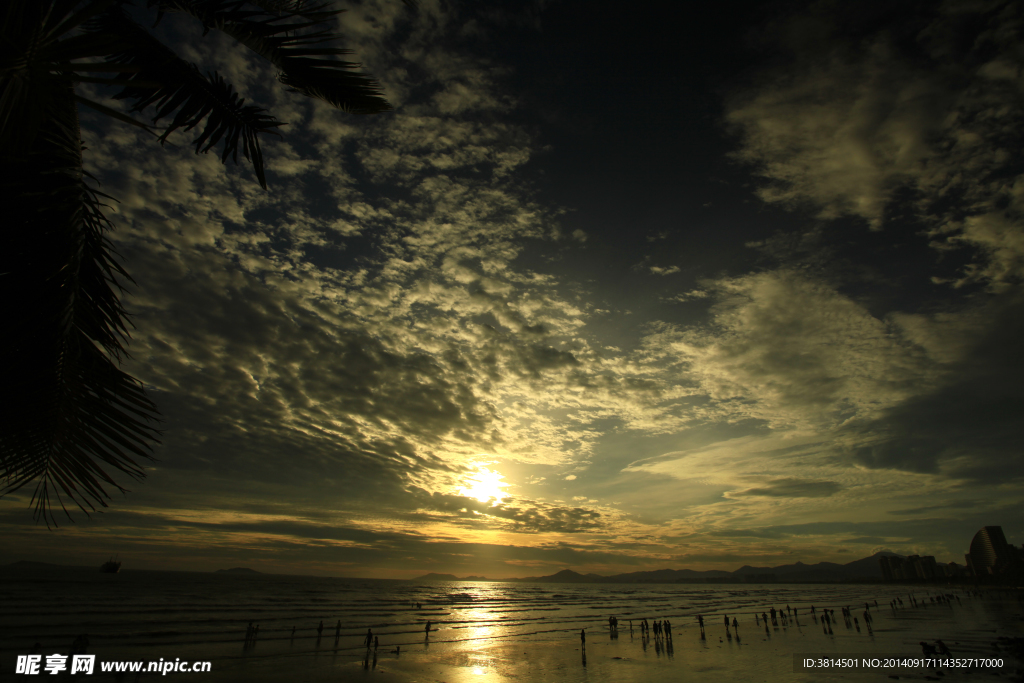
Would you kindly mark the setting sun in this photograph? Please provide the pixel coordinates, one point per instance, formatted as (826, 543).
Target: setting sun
(485, 486)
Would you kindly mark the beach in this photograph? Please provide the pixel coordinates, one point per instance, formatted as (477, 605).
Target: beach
(495, 632)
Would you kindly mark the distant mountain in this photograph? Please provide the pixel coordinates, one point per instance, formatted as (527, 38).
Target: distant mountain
(666, 575)
(865, 569)
(449, 577)
(437, 577)
(238, 570)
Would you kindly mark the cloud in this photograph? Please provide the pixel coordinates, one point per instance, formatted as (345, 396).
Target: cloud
(364, 329)
(670, 270)
(692, 295)
(793, 351)
(370, 332)
(859, 117)
(966, 426)
(790, 488)
(525, 515)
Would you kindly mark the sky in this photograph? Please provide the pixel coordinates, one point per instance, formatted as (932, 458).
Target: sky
(609, 290)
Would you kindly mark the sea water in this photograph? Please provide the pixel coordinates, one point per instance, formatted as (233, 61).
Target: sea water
(483, 631)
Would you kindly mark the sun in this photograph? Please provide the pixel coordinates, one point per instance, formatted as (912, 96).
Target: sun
(485, 485)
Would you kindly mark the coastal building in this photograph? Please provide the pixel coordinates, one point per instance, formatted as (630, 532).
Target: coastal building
(892, 567)
(924, 567)
(917, 568)
(991, 555)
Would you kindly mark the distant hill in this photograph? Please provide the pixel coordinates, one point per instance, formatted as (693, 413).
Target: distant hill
(667, 575)
(566, 576)
(864, 569)
(238, 570)
(437, 577)
(449, 577)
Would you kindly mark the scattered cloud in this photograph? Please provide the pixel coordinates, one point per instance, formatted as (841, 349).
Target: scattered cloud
(670, 270)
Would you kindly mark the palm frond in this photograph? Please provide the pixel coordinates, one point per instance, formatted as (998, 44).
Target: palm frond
(304, 8)
(311, 10)
(190, 96)
(35, 51)
(71, 416)
(307, 65)
(73, 419)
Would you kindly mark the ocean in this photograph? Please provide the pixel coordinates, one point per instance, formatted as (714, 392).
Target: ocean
(491, 631)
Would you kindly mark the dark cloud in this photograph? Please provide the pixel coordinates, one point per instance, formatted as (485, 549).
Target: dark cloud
(790, 488)
(960, 505)
(895, 108)
(868, 540)
(969, 426)
(528, 516)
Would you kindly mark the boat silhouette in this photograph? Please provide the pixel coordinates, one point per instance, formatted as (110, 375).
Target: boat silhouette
(111, 566)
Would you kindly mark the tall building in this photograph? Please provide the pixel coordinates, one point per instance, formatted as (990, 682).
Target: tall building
(924, 567)
(990, 553)
(894, 568)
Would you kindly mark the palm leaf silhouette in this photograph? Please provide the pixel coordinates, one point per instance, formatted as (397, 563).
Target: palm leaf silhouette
(74, 419)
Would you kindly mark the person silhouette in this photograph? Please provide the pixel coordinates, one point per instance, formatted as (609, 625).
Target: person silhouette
(583, 638)
(368, 640)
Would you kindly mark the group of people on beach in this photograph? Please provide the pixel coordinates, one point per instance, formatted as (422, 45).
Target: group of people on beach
(251, 632)
(662, 630)
(941, 599)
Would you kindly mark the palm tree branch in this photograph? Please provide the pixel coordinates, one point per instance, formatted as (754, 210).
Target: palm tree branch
(113, 113)
(74, 417)
(189, 95)
(285, 46)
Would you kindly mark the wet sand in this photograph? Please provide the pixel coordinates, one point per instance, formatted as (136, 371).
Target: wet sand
(969, 629)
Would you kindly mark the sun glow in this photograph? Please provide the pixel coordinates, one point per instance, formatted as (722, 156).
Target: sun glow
(486, 485)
